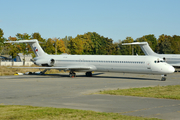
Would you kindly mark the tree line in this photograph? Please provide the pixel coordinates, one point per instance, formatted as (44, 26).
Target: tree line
(90, 43)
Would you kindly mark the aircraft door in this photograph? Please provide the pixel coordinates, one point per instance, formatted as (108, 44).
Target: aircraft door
(148, 65)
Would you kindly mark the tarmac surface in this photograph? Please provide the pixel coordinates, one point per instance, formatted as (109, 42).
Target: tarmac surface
(61, 91)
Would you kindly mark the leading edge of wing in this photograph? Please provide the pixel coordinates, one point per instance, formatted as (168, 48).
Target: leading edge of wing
(59, 68)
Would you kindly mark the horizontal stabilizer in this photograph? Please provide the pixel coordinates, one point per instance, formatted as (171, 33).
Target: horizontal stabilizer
(23, 41)
(135, 43)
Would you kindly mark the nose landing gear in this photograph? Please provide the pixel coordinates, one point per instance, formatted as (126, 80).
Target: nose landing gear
(163, 77)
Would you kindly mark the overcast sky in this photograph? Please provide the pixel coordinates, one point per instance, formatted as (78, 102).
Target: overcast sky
(116, 19)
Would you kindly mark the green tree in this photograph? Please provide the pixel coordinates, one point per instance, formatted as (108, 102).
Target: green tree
(76, 46)
(1, 41)
(86, 42)
(38, 37)
(92, 43)
(24, 36)
(14, 49)
(126, 50)
(164, 44)
(96, 39)
(175, 44)
(99, 44)
(24, 48)
(66, 43)
(115, 49)
(1, 36)
(49, 46)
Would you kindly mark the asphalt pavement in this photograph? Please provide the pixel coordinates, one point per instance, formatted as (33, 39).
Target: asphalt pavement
(61, 91)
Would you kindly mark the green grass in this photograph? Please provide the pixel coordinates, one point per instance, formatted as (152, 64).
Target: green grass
(167, 92)
(12, 112)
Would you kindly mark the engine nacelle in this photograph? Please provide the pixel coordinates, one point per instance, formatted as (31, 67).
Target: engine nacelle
(47, 63)
(51, 63)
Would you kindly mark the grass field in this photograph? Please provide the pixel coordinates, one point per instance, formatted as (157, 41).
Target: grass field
(11, 112)
(166, 92)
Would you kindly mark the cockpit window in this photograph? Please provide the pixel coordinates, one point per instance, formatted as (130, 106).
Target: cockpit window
(159, 61)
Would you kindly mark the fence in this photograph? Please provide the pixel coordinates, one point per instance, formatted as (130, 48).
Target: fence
(15, 63)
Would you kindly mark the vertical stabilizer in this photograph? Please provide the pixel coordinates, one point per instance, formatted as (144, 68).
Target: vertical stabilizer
(144, 46)
(34, 45)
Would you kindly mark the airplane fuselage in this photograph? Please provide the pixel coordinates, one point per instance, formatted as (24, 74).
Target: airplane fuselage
(108, 63)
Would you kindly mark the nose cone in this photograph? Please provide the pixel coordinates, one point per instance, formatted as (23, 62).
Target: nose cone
(171, 69)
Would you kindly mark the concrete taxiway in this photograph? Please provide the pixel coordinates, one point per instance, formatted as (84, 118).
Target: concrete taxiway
(63, 92)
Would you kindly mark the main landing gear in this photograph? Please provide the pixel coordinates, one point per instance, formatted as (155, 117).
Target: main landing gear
(163, 77)
(89, 74)
(72, 74)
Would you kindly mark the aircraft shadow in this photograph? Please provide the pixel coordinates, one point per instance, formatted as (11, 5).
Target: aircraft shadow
(130, 78)
(95, 75)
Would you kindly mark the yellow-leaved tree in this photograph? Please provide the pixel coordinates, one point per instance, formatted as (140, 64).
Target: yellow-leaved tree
(60, 46)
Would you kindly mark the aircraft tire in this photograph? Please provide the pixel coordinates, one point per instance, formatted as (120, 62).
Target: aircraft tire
(163, 79)
(89, 74)
(74, 74)
(70, 74)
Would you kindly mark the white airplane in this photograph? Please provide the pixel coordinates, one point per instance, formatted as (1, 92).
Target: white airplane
(172, 59)
(103, 63)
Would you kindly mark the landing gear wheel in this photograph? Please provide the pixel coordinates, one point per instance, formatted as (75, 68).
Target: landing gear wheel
(72, 74)
(163, 79)
(89, 74)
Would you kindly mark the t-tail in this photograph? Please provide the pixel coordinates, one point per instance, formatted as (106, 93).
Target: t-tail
(34, 45)
(144, 46)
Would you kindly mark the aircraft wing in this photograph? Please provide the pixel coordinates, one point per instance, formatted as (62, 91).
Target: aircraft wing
(62, 68)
